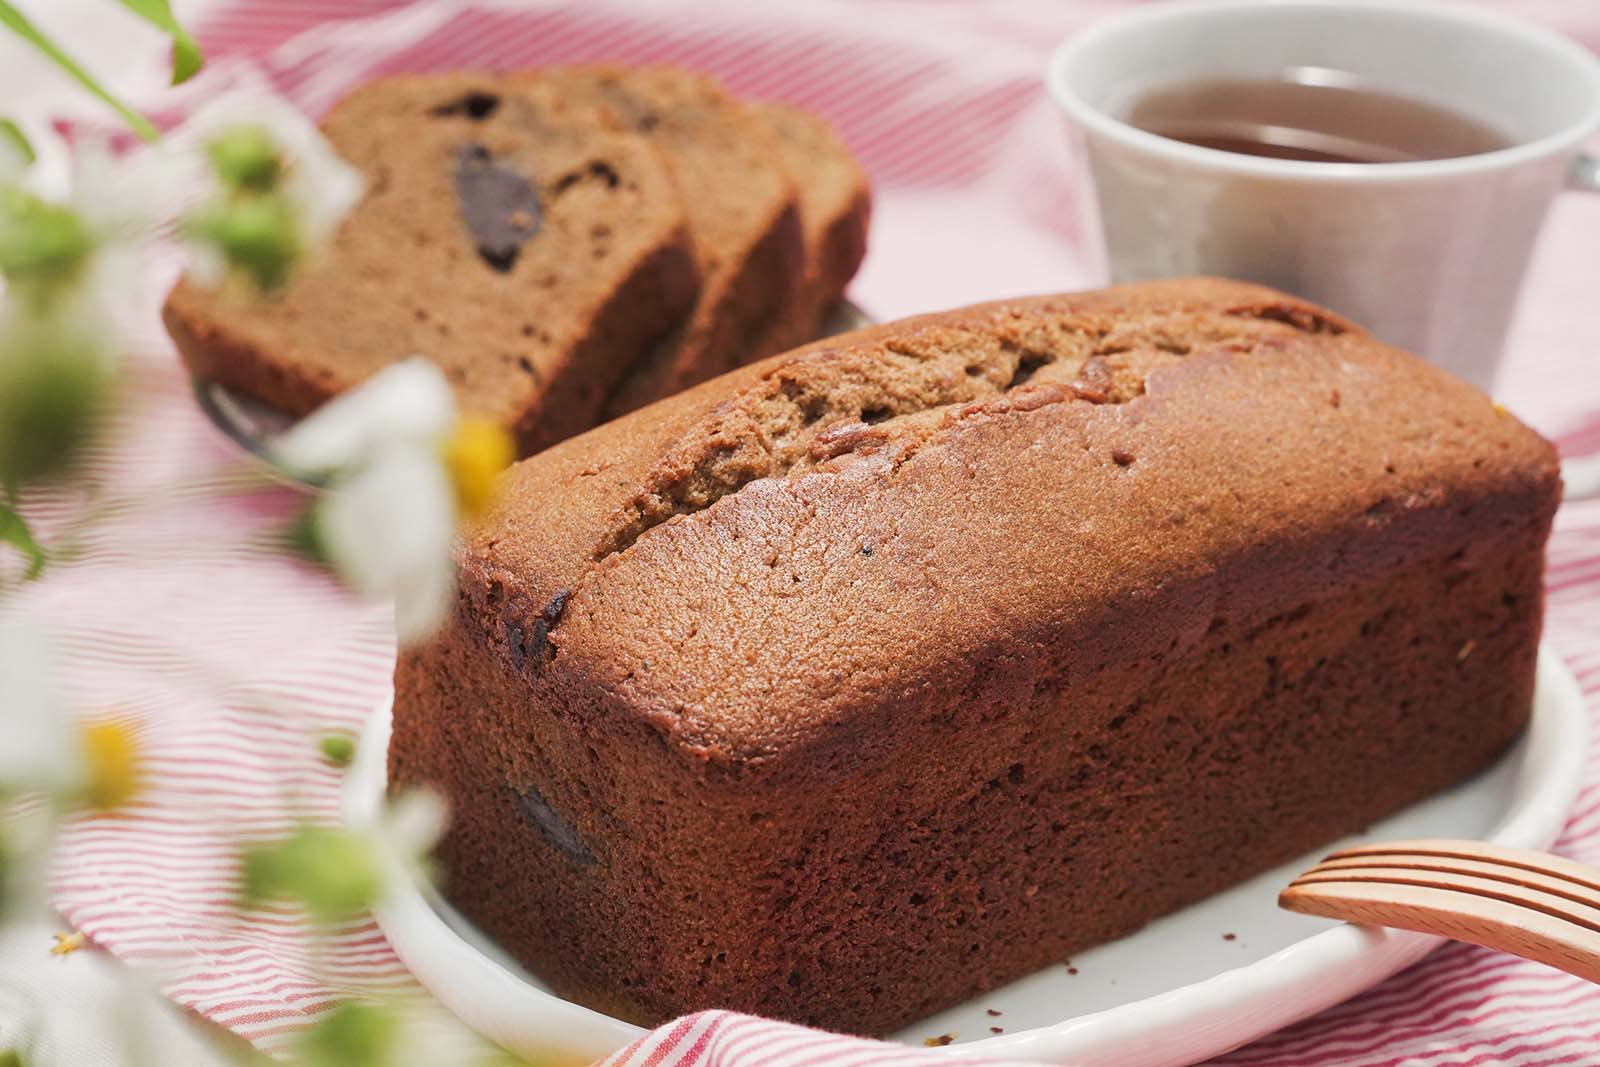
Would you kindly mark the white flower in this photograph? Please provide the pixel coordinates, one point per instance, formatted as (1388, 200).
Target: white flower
(323, 187)
(49, 760)
(45, 746)
(387, 521)
(406, 403)
(387, 529)
(401, 469)
(112, 204)
(319, 187)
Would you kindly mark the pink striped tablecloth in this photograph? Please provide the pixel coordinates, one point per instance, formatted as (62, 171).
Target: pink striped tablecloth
(231, 661)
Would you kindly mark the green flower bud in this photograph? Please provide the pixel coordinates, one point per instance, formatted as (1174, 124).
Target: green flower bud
(246, 158)
(352, 1035)
(56, 387)
(43, 246)
(333, 873)
(256, 235)
(338, 749)
(12, 1058)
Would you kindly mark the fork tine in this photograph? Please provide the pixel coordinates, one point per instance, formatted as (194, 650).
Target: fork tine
(1531, 904)
(1419, 867)
(1481, 851)
(1534, 898)
(1456, 914)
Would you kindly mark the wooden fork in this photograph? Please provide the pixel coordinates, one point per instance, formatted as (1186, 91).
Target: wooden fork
(1532, 904)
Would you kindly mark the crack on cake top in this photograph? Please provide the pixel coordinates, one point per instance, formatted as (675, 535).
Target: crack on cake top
(893, 394)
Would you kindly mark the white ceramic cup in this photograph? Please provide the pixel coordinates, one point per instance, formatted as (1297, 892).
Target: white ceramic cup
(1427, 255)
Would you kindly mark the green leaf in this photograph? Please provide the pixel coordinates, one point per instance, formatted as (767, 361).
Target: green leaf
(11, 132)
(186, 57)
(14, 532)
(14, 20)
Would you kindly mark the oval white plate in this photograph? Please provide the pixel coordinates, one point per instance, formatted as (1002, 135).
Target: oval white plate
(1173, 993)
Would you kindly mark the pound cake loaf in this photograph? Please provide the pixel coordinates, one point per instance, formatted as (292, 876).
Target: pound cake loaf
(883, 672)
(525, 242)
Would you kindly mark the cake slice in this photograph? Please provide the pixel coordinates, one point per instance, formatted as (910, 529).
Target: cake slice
(886, 671)
(835, 208)
(743, 214)
(523, 241)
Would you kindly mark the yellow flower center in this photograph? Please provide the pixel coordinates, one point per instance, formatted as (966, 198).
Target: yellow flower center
(475, 455)
(116, 770)
(66, 944)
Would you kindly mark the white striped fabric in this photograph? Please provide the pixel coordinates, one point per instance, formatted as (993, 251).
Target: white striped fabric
(232, 663)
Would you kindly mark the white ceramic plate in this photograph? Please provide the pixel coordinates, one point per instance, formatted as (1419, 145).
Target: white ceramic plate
(1176, 992)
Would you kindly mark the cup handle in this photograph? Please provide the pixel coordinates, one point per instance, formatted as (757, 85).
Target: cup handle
(1585, 174)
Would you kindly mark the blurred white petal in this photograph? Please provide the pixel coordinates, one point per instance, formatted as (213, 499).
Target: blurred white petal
(38, 745)
(90, 1008)
(422, 603)
(13, 161)
(109, 298)
(50, 175)
(121, 197)
(324, 189)
(388, 529)
(208, 267)
(413, 823)
(430, 1035)
(406, 402)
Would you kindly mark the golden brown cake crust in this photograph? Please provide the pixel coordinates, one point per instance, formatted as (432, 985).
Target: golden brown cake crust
(885, 671)
(536, 342)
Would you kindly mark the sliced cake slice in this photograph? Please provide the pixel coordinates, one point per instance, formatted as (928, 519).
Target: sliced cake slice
(743, 214)
(835, 207)
(523, 241)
